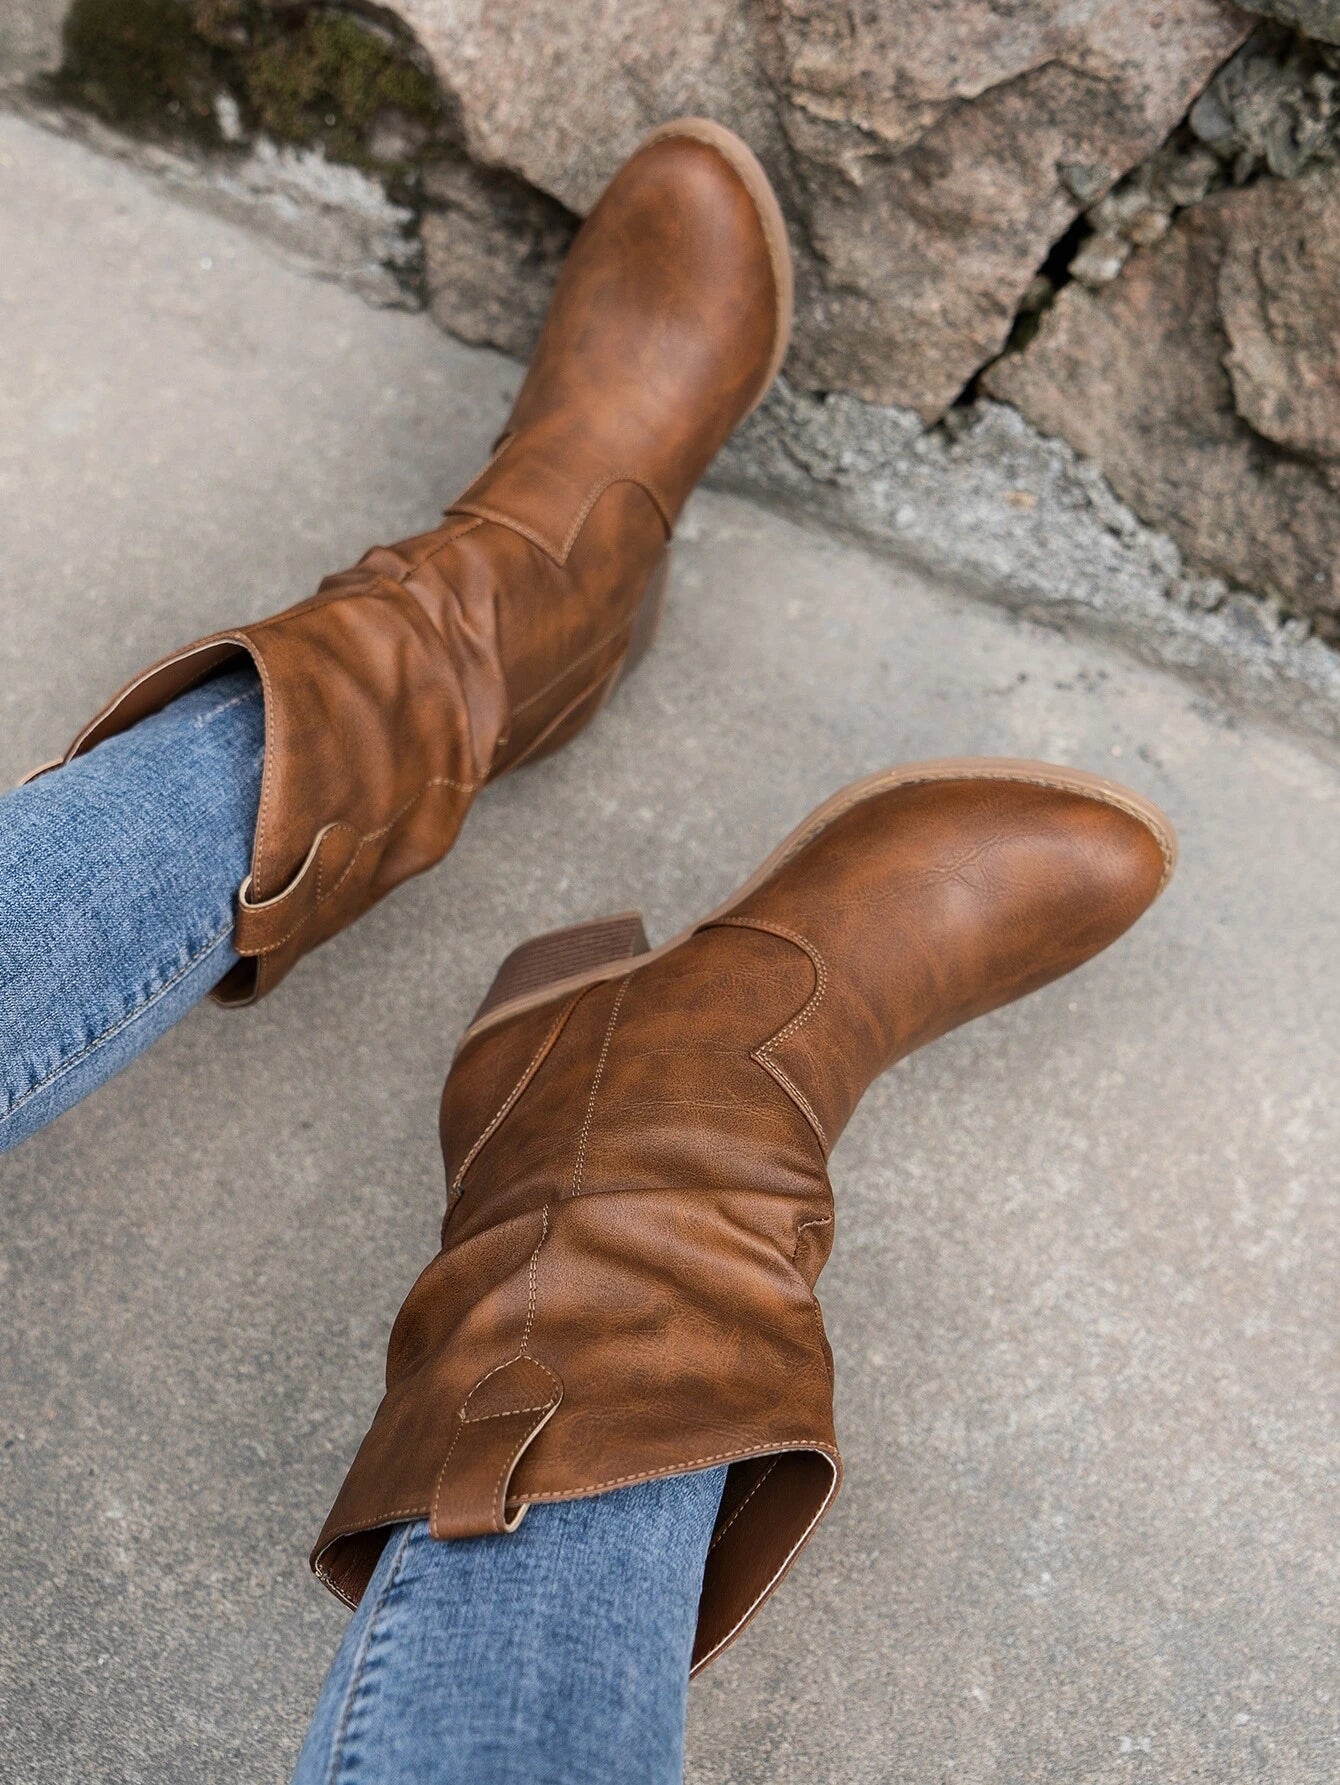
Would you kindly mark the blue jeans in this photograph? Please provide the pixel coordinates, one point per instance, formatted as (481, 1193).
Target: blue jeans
(557, 1653)
(118, 874)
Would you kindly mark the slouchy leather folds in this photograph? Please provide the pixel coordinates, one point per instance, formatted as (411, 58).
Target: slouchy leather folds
(636, 1154)
(433, 666)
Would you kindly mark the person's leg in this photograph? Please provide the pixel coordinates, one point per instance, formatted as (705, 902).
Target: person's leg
(118, 876)
(556, 1653)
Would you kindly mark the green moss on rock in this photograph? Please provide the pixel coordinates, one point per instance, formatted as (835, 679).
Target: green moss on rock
(330, 79)
(319, 75)
(143, 65)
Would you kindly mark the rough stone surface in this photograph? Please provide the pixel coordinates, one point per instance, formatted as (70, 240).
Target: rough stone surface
(933, 151)
(1279, 298)
(1158, 377)
(1316, 18)
(492, 248)
(921, 150)
(1084, 1287)
(560, 93)
(1274, 106)
(30, 38)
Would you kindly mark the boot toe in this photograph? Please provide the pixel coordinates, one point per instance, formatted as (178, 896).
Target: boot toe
(1124, 852)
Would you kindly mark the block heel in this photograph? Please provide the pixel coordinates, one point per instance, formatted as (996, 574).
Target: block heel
(564, 955)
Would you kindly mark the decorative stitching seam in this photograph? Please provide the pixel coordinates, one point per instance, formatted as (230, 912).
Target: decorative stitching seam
(483, 511)
(684, 1468)
(778, 1573)
(386, 1518)
(580, 1164)
(271, 712)
(488, 1375)
(594, 495)
(794, 1091)
(500, 1486)
(462, 1421)
(593, 1487)
(443, 537)
(478, 1419)
(534, 1269)
(324, 1575)
(559, 553)
(364, 837)
(520, 1085)
(740, 1508)
(764, 1055)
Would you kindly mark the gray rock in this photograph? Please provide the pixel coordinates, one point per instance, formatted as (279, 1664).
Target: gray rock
(1279, 298)
(1274, 106)
(1139, 208)
(1100, 259)
(1315, 18)
(928, 155)
(1199, 378)
(930, 143)
(492, 249)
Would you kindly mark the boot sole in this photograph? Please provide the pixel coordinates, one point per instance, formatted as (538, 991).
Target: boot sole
(565, 961)
(747, 166)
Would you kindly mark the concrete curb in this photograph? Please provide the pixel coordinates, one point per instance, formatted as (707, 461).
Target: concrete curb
(985, 501)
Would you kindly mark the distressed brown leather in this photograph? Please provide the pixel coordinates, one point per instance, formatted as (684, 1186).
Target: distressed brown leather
(433, 666)
(639, 1203)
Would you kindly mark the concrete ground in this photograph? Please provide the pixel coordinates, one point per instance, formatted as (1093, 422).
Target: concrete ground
(1083, 1299)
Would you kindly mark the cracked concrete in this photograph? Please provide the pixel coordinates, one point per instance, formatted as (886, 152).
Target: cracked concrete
(1084, 1288)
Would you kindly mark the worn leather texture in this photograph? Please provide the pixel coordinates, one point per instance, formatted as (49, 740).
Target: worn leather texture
(638, 1196)
(406, 683)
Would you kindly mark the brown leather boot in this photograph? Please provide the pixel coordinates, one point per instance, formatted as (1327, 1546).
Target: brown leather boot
(435, 665)
(636, 1146)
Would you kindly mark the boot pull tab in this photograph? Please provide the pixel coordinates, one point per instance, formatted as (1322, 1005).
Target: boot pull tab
(499, 1419)
(262, 925)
